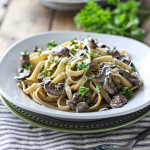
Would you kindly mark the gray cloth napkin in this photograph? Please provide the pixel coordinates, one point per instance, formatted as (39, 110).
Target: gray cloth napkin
(18, 134)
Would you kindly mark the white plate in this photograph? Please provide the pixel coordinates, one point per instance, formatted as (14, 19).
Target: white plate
(68, 5)
(139, 52)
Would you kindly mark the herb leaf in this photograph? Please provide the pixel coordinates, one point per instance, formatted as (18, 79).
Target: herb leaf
(72, 42)
(53, 60)
(76, 46)
(98, 87)
(25, 52)
(133, 69)
(127, 92)
(40, 52)
(83, 90)
(82, 65)
(89, 78)
(27, 66)
(44, 71)
(51, 44)
(124, 19)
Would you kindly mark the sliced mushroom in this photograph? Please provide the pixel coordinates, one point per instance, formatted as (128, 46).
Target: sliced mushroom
(57, 89)
(104, 73)
(118, 101)
(36, 49)
(125, 59)
(60, 51)
(114, 52)
(77, 98)
(105, 108)
(23, 74)
(44, 80)
(82, 107)
(71, 104)
(24, 59)
(92, 42)
(131, 78)
(108, 87)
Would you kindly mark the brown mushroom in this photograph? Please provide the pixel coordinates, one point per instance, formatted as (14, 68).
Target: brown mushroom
(92, 42)
(82, 107)
(77, 98)
(118, 101)
(107, 107)
(71, 104)
(56, 89)
(108, 87)
(114, 52)
(24, 59)
(125, 59)
(36, 49)
(131, 78)
(23, 73)
(104, 73)
(60, 51)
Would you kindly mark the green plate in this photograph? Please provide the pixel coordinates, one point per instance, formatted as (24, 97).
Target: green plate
(72, 126)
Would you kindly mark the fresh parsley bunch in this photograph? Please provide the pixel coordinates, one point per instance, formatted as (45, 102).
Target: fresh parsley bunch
(120, 19)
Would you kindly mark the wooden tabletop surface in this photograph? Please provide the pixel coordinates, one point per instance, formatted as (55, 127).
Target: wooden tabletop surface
(22, 18)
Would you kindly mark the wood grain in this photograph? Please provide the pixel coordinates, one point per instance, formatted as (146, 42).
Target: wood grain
(63, 21)
(24, 17)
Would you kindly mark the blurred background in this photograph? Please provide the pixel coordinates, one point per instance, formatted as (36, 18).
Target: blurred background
(21, 18)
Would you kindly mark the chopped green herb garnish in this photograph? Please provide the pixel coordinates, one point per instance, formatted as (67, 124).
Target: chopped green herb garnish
(45, 70)
(133, 69)
(119, 17)
(72, 42)
(72, 51)
(89, 78)
(70, 67)
(27, 66)
(40, 52)
(22, 69)
(91, 54)
(53, 60)
(65, 63)
(126, 92)
(51, 44)
(25, 52)
(76, 46)
(98, 87)
(96, 55)
(83, 90)
(82, 65)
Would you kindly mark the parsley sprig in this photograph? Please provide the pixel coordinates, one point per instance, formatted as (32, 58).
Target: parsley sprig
(25, 52)
(27, 66)
(40, 52)
(123, 19)
(44, 71)
(53, 60)
(82, 66)
(83, 90)
(98, 87)
(51, 44)
(126, 92)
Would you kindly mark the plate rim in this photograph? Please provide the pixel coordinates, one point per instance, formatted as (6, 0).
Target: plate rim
(33, 122)
(73, 116)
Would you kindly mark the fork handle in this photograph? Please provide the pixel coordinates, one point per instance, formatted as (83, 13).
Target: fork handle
(139, 137)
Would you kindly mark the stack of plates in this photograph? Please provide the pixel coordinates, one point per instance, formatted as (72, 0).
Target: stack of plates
(70, 5)
(22, 106)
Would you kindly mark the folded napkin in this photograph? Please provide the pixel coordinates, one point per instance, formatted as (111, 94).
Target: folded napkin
(18, 134)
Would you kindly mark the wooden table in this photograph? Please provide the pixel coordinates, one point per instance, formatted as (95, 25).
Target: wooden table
(21, 18)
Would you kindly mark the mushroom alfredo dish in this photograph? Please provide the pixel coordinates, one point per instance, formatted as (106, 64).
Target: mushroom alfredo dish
(79, 76)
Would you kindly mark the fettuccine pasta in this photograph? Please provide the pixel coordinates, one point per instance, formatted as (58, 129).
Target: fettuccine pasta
(79, 76)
